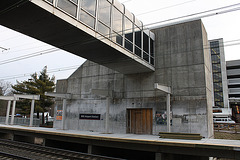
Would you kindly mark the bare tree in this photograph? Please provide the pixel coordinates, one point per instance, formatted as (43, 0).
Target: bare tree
(5, 88)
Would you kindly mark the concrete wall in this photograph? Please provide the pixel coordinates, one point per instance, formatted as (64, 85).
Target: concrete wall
(180, 62)
(183, 64)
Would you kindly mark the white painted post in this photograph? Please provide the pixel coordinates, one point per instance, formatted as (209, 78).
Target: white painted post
(31, 114)
(107, 116)
(13, 112)
(166, 90)
(64, 113)
(8, 110)
(168, 113)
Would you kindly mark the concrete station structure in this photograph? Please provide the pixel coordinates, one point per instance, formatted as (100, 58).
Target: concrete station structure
(125, 60)
(131, 80)
(182, 62)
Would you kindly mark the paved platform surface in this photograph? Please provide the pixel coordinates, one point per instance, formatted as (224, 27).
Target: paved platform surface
(149, 139)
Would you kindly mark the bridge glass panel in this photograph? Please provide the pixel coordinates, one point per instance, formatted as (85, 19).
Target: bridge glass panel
(128, 31)
(68, 6)
(138, 23)
(117, 26)
(128, 45)
(152, 47)
(87, 19)
(118, 5)
(75, 1)
(51, 1)
(103, 29)
(104, 12)
(152, 51)
(146, 56)
(145, 42)
(117, 21)
(117, 38)
(138, 37)
(89, 6)
(138, 51)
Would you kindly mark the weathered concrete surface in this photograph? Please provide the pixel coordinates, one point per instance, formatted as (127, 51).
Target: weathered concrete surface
(180, 62)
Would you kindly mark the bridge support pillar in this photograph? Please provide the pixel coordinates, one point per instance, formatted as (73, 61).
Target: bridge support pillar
(90, 147)
(237, 156)
(39, 141)
(159, 156)
(8, 136)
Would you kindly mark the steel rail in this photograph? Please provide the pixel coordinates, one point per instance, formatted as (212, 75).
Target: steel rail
(8, 155)
(58, 153)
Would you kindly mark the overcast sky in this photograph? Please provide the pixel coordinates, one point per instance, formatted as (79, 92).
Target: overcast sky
(226, 26)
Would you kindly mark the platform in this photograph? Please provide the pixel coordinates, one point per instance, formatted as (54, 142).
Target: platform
(147, 143)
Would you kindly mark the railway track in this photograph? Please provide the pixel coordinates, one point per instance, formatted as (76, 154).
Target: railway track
(8, 156)
(35, 152)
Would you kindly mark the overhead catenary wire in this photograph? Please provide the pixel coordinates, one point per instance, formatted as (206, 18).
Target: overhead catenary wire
(126, 1)
(51, 50)
(4, 49)
(48, 71)
(199, 13)
(164, 8)
(77, 66)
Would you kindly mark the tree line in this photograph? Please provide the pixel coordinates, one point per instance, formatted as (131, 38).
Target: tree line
(37, 84)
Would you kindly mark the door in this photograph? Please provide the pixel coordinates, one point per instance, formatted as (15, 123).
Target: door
(139, 121)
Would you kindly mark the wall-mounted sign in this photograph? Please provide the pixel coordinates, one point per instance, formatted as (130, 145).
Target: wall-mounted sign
(90, 116)
(59, 115)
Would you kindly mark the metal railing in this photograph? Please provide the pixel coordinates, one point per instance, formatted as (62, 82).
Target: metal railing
(227, 127)
(21, 121)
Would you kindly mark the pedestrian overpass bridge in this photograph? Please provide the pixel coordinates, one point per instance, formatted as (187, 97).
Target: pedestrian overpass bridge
(102, 31)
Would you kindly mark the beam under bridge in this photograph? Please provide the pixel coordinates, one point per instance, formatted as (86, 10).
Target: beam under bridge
(52, 22)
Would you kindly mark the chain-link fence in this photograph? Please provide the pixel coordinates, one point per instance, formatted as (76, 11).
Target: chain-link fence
(21, 121)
